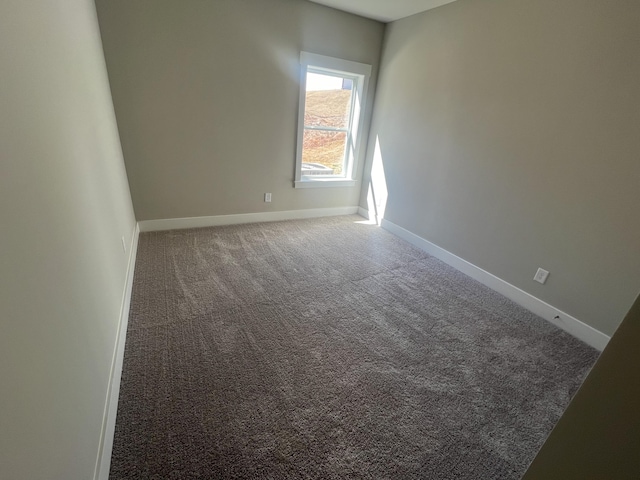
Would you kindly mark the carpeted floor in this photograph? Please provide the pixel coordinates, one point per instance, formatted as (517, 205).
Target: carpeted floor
(329, 349)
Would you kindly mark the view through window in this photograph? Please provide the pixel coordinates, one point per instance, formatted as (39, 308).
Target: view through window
(327, 118)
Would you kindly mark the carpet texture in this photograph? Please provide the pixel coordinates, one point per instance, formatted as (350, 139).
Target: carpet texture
(329, 349)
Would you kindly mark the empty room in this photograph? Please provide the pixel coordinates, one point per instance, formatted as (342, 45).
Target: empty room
(294, 239)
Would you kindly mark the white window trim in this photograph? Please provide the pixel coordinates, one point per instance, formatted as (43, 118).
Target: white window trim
(360, 74)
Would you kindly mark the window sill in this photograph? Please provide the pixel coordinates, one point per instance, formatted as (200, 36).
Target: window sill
(324, 182)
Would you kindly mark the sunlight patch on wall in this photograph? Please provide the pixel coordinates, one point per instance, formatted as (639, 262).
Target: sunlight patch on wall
(377, 194)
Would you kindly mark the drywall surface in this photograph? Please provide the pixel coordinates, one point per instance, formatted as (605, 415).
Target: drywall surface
(64, 206)
(597, 437)
(508, 133)
(206, 97)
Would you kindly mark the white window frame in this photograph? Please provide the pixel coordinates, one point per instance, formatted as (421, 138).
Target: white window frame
(360, 74)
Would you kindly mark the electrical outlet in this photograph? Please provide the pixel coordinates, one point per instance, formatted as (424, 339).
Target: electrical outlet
(541, 276)
(124, 245)
(267, 198)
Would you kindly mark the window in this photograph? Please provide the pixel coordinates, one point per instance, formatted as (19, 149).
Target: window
(332, 96)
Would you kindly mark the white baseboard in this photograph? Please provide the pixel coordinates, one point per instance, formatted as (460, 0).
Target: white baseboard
(363, 212)
(218, 220)
(563, 320)
(103, 461)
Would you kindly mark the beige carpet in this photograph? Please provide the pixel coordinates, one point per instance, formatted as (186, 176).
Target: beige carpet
(329, 349)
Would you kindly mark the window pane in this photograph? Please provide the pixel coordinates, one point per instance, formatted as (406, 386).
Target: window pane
(328, 101)
(323, 152)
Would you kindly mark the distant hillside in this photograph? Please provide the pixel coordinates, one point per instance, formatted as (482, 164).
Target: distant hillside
(326, 108)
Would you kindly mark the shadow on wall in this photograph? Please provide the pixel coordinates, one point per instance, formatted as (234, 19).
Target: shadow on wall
(377, 193)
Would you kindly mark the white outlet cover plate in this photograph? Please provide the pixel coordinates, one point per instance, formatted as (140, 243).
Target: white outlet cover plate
(541, 276)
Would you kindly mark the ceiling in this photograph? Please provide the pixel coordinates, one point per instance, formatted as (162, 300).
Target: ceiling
(383, 10)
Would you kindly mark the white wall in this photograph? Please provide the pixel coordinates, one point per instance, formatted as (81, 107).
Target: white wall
(509, 135)
(206, 96)
(64, 205)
